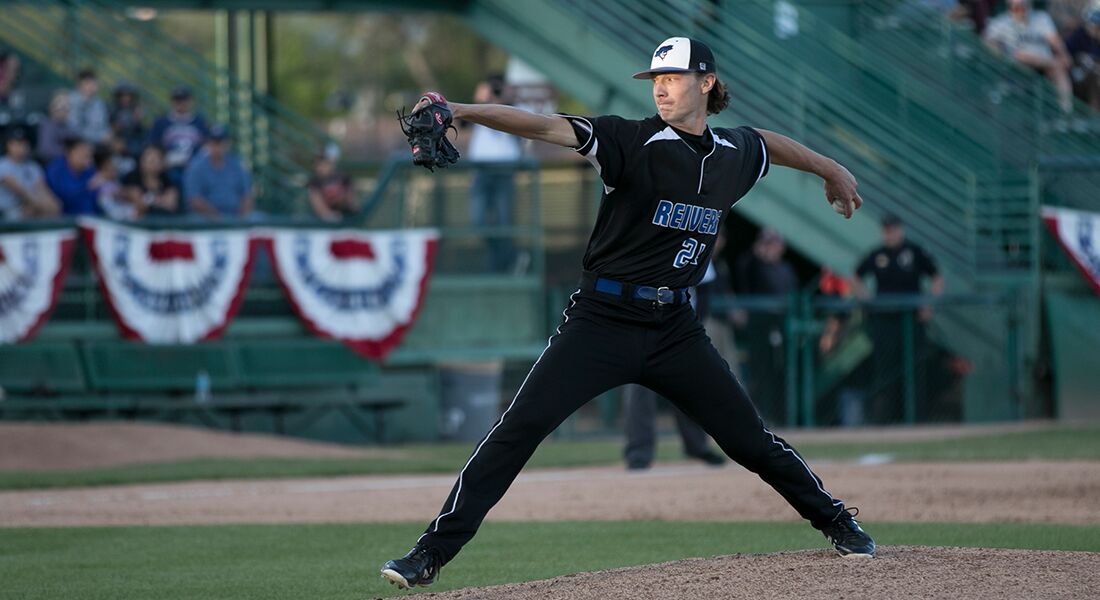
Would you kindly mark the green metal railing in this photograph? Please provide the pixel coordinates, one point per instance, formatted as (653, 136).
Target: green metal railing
(807, 386)
(67, 35)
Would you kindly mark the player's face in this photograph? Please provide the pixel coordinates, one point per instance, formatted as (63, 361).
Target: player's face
(677, 95)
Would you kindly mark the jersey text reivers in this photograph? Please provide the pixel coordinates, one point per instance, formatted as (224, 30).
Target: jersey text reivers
(687, 217)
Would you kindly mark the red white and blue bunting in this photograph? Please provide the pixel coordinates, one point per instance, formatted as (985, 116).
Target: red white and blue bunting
(1078, 232)
(170, 287)
(32, 269)
(362, 288)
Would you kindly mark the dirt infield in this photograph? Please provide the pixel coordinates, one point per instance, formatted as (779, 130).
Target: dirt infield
(59, 446)
(1047, 492)
(897, 572)
(54, 446)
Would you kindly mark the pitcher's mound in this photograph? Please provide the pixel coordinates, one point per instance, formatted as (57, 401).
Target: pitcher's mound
(897, 572)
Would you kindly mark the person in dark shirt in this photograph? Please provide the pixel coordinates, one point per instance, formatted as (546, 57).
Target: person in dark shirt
(181, 132)
(72, 178)
(765, 272)
(1083, 45)
(127, 119)
(899, 267)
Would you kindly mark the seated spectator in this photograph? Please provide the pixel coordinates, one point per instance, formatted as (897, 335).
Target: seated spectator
(1030, 38)
(148, 187)
(1083, 45)
(73, 179)
(330, 193)
(23, 191)
(111, 201)
(180, 132)
(53, 130)
(127, 119)
(88, 115)
(216, 184)
(124, 163)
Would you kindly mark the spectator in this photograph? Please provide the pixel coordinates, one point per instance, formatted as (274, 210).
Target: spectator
(766, 273)
(73, 179)
(180, 132)
(23, 191)
(149, 188)
(1068, 15)
(88, 115)
(1083, 45)
(53, 130)
(898, 268)
(493, 188)
(124, 163)
(331, 195)
(109, 197)
(127, 119)
(216, 183)
(13, 102)
(1030, 38)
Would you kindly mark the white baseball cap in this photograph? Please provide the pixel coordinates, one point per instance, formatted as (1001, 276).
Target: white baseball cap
(679, 55)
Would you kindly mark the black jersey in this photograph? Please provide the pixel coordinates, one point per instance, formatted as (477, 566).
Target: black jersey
(665, 194)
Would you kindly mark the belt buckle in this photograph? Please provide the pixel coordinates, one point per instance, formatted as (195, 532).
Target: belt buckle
(665, 289)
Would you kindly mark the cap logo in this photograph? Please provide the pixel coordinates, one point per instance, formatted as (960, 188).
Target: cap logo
(702, 66)
(662, 52)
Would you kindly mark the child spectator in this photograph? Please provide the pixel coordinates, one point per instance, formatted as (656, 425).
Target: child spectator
(148, 187)
(23, 191)
(109, 197)
(73, 179)
(330, 193)
(88, 116)
(53, 130)
(216, 184)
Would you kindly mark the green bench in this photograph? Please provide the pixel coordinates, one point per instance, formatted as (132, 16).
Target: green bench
(304, 378)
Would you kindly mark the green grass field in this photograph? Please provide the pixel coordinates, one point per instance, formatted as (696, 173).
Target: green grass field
(264, 562)
(1056, 443)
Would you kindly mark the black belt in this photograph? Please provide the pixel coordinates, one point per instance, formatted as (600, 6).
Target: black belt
(659, 295)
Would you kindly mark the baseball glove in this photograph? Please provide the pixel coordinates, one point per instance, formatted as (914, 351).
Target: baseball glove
(427, 132)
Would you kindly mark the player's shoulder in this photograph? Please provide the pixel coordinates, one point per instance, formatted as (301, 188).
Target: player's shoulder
(737, 136)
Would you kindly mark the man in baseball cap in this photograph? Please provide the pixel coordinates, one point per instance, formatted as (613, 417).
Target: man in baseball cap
(679, 55)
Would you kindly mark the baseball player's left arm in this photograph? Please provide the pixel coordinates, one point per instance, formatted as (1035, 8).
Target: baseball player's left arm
(840, 185)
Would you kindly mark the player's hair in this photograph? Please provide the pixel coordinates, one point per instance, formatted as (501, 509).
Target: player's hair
(718, 98)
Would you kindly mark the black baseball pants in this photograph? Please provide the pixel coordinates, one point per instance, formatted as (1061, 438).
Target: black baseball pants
(607, 341)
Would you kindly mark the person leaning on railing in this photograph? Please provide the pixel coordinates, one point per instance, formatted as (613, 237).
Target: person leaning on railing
(898, 267)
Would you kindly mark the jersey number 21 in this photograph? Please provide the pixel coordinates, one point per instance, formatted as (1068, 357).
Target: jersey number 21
(690, 253)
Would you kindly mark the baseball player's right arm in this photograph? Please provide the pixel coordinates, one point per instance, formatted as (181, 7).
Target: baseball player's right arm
(533, 126)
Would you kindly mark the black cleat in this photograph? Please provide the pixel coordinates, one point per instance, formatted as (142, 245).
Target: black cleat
(419, 567)
(848, 537)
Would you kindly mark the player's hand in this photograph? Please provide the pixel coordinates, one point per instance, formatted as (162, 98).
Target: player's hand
(840, 191)
(427, 99)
